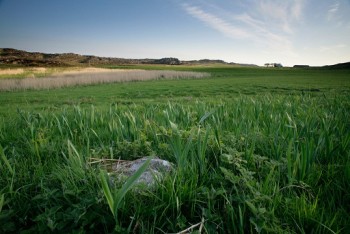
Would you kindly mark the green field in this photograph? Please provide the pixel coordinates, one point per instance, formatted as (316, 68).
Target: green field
(254, 149)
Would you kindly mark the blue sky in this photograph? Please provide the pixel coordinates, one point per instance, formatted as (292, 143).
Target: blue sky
(314, 32)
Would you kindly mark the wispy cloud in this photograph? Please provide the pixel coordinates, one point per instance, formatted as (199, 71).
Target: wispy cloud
(297, 9)
(260, 31)
(250, 21)
(267, 22)
(332, 11)
(280, 13)
(216, 22)
(332, 48)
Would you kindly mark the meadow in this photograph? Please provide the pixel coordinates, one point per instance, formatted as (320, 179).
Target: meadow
(255, 150)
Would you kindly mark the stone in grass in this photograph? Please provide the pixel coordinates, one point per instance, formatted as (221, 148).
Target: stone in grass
(120, 170)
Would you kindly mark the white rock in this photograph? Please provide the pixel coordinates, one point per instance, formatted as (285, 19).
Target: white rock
(156, 170)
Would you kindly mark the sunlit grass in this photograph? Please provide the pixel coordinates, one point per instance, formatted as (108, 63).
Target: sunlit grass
(269, 162)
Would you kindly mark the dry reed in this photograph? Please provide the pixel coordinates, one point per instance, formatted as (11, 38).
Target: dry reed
(88, 78)
(11, 71)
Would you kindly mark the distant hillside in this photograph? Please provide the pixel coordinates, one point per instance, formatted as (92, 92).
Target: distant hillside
(214, 61)
(10, 56)
(24, 58)
(339, 66)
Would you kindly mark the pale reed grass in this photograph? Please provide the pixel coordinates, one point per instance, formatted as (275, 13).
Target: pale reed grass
(11, 71)
(88, 78)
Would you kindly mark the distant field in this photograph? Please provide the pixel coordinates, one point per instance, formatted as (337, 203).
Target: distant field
(255, 150)
(225, 82)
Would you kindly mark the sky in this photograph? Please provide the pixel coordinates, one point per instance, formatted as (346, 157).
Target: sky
(313, 32)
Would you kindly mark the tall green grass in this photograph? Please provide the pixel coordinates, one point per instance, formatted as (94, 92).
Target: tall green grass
(269, 163)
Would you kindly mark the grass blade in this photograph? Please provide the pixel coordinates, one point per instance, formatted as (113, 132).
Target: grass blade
(114, 197)
(207, 115)
(2, 202)
(129, 183)
(107, 191)
(7, 163)
(289, 162)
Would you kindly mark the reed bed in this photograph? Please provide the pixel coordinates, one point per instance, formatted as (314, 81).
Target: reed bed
(11, 71)
(89, 78)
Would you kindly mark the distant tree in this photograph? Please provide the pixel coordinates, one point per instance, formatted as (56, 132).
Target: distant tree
(277, 65)
(169, 61)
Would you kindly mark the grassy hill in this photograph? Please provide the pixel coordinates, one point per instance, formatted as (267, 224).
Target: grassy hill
(339, 66)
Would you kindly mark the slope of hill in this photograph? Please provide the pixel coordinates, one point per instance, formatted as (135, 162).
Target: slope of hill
(9, 56)
(339, 66)
(24, 58)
